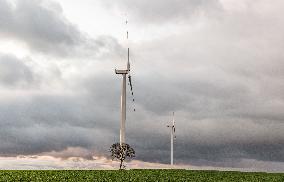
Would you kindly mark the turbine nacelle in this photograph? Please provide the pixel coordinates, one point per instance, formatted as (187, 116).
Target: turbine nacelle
(172, 126)
(121, 71)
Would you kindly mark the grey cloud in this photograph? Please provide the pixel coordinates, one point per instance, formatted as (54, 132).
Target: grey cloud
(47, 123)
(91, 121)
(14, 72)
(39, 123)
(41, 25)
(163, 11)
(217, 145)
(26, 74)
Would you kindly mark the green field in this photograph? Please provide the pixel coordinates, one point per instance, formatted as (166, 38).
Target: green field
(136, 175)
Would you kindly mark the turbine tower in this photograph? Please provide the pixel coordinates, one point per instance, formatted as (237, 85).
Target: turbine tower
(124, 73)
(173, 130)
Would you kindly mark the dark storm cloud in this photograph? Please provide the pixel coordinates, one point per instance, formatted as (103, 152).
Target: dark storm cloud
(163, 11)
(41, 122)
(46, 123)
(216, 142)
(41, 25)
(35, 123)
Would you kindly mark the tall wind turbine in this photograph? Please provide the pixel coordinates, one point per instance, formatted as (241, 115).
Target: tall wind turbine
(124, 73)
(173, 130)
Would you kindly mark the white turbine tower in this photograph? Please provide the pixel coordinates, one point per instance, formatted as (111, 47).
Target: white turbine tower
(124, 72)
(173, 130)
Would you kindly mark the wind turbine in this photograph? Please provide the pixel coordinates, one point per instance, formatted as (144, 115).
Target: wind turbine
(173, 130)
(124, 73)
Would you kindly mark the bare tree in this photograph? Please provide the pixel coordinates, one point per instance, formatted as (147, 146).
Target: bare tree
(121, 152)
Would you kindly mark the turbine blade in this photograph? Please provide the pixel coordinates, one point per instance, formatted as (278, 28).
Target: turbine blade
(174, 121)
(129, 78)
(128, 63)
(131, 89)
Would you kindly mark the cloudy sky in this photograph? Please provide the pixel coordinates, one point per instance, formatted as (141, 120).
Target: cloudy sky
(219, 64)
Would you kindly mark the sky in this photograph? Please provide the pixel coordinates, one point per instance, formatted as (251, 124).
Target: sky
(218, 64)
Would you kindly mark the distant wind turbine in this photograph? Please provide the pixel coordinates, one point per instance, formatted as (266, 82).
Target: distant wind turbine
(173, 130)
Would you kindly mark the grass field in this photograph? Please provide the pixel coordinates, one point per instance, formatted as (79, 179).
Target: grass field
(136, 175)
